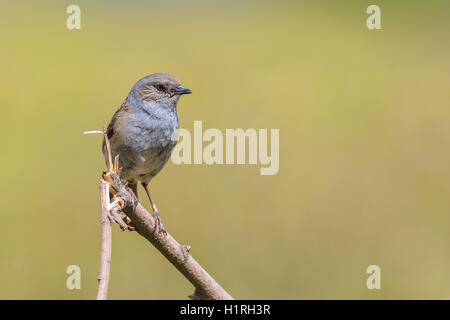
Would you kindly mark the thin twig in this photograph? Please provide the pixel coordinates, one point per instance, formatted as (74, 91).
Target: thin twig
(105, 254)
(106, 219)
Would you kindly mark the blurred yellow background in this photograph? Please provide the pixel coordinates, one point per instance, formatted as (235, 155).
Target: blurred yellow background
(364, 146)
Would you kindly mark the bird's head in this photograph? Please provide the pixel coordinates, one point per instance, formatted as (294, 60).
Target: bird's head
(160, 87)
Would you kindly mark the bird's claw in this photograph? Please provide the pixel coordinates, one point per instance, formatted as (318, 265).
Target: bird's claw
(116, 216)
(159, 227)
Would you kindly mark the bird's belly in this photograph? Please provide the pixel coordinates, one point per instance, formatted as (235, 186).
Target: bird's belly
(146, 162)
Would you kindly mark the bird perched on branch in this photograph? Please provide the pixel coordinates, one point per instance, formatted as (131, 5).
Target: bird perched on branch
(143, 131)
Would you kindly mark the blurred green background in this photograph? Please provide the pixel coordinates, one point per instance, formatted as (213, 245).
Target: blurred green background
(364, 146)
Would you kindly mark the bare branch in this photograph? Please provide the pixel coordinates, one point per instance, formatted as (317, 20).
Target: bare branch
(126, 206)
(179, 255)
(108, 216)
(105, 253)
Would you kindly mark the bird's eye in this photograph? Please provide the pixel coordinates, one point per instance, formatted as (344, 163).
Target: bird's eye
(159, 87)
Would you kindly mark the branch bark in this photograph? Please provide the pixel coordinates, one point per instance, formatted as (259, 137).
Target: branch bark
(106, 247)
(206, 288)
(125, 207)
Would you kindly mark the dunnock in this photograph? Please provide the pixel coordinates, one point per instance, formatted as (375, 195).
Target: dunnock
(141, 131)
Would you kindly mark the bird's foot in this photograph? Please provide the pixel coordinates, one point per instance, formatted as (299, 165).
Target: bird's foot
(121, 219)
(117, 216)
(159, 227)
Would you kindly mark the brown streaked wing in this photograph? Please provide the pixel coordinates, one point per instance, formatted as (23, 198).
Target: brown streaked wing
(116, 119)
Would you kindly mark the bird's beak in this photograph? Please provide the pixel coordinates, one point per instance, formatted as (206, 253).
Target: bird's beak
(182, 90)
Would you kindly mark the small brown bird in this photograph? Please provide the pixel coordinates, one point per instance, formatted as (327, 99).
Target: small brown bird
(142, 131)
